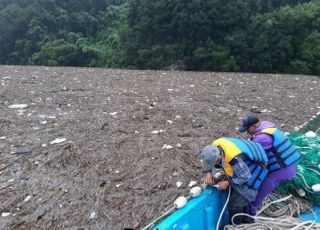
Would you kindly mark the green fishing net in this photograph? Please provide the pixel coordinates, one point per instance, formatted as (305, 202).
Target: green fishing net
(308, 170)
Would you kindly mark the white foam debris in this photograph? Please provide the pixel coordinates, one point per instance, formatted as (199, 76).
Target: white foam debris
(178, 145)
(117, 171)
(264, 111)
(310, 134)
(2, 138)
(137, 132)
(169, 121)
(165, 146)
(27, 198)
(21, 111)
(118, 185)
(11, 180)
(18, 106)
(178, 117)
(155, 132)
(92, 215)
(58, 140)
(191, 86)
(113, 114)
(178, 184)
(192, 183)
(170, 90)
(5, 214)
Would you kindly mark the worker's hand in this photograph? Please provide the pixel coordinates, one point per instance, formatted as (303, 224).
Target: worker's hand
(208, 179)
(223, 185)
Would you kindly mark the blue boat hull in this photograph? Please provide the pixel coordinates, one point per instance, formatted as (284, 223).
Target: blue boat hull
(202, 213)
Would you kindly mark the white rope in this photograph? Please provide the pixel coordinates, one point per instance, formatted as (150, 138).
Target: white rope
(276, 223)
(223, 209)
(317, 172)
(159, 218)
(304, 180)
(274, 202)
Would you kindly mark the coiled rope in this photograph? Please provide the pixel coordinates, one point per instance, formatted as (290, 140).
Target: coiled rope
(279, 214)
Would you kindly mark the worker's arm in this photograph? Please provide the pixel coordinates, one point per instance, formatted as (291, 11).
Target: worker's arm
(264, 139)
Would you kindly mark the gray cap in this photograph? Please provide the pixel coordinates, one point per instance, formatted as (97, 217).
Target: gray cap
(209, 156)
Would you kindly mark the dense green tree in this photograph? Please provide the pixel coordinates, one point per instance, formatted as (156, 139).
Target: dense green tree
(236, 35)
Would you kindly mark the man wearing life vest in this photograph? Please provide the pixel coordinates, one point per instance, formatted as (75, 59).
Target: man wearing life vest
(282, 156)
(244, 162)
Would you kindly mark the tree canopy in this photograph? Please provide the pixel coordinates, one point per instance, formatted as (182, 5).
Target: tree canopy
(237, 35)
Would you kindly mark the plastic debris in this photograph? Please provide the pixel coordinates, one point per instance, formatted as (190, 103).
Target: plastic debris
(192, 183)
(310, 134)
(5, 214)
(92, 215)
(165, 146)
(18, 106)
(58, 140)
(27, 198)
(178, 184)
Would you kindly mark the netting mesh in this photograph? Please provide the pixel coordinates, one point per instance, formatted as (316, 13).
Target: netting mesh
(308, 170)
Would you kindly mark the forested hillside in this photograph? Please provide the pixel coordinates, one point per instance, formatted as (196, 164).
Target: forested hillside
(235, 35)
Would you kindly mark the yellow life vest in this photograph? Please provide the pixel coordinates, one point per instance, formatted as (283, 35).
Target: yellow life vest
(230, 152)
